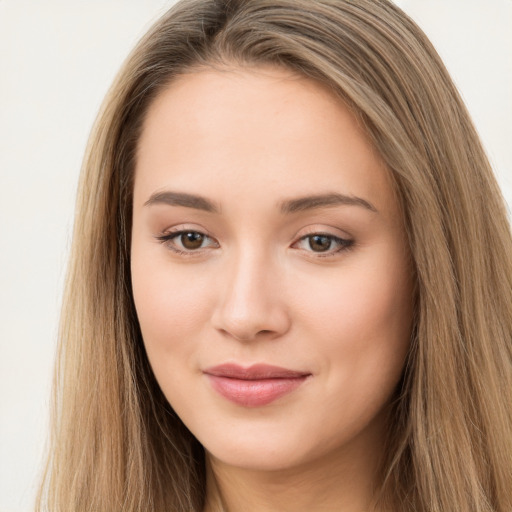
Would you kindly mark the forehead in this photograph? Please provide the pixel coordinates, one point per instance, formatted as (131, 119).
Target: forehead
(267, 129)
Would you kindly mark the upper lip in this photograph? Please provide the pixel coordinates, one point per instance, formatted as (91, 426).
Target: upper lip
(254, 372)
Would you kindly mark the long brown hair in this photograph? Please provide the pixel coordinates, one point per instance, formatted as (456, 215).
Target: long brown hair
(116, 442)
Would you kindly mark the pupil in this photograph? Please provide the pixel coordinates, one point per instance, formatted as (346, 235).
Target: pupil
(192, 240)
(320, 243)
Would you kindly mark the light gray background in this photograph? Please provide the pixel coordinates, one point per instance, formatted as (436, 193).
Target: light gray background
(57, 59)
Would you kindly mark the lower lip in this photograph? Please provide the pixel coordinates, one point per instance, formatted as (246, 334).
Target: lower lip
(254, 393)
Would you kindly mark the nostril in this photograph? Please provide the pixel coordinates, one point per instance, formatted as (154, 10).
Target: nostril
(242, 335)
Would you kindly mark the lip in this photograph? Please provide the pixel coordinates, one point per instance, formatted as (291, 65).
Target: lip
(256, 385)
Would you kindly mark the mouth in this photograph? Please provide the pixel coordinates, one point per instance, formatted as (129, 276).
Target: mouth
(254, 386)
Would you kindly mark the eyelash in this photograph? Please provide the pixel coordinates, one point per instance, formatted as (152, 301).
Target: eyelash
(168, 240)
(344, 244)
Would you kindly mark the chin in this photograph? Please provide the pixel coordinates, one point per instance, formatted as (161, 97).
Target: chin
(255, 457)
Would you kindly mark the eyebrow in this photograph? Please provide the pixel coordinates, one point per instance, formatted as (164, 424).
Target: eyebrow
(289, 206)
(182, 199)
(324, 200)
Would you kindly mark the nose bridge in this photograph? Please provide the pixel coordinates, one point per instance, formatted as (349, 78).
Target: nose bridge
(251, 301)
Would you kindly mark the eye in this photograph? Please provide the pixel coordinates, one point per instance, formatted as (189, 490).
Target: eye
(190, 240)
(187, 241)
(323, 243)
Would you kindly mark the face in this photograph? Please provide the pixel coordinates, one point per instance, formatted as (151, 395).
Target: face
(270, 271)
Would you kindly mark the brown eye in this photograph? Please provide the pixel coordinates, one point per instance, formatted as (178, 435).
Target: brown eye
(320, 243)
(323, 244)
(188, 243)
(191, 240)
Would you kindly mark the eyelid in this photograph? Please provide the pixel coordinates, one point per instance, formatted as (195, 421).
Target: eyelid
(323, 229)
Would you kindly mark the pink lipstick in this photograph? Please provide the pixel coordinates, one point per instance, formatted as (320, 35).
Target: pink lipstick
(256, 385)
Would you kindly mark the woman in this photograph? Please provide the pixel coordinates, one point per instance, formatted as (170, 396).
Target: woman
(290, 285)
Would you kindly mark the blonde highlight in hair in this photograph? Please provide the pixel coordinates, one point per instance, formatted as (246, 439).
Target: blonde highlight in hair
(116, 442)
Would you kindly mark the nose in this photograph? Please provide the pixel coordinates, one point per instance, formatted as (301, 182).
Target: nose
(252, 303)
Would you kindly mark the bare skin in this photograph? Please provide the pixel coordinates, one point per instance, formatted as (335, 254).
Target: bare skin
(266, 232)
(339, 481)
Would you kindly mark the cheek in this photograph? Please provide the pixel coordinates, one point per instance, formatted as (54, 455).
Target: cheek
(172, 305)
(361, 319)
(361, 299)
